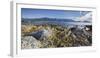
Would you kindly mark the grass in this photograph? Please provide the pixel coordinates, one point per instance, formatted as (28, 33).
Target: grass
(60, 37)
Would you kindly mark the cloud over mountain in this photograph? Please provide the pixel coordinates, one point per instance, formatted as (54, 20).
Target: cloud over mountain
(85, 18)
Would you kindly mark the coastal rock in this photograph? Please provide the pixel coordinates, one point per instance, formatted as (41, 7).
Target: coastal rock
(29, 42)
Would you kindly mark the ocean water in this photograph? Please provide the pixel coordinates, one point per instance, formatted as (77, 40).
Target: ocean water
(61, 23)
(80, 25)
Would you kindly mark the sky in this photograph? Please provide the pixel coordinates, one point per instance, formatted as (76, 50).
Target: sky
(40, 13)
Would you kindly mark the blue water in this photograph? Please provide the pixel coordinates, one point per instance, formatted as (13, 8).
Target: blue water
(61, 23)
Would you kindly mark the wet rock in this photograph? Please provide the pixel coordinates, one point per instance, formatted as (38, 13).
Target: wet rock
(40, 34)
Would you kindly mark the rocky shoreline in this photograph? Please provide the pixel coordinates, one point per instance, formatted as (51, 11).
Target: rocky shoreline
(54, 36)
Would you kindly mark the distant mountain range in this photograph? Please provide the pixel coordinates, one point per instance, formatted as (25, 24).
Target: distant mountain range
(54, 21)
(47, 19)
(50, 19)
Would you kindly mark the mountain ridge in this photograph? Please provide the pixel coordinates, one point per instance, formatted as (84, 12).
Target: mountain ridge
(47, 19)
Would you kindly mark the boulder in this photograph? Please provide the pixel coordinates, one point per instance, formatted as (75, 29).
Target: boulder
(29, 42)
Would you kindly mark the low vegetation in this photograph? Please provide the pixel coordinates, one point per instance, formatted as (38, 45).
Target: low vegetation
(59, 36)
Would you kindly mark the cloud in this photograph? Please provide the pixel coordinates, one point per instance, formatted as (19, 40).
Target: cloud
(87, 17)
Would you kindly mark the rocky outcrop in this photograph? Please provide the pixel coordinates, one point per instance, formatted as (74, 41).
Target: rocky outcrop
(56, 36)
(28, 42)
